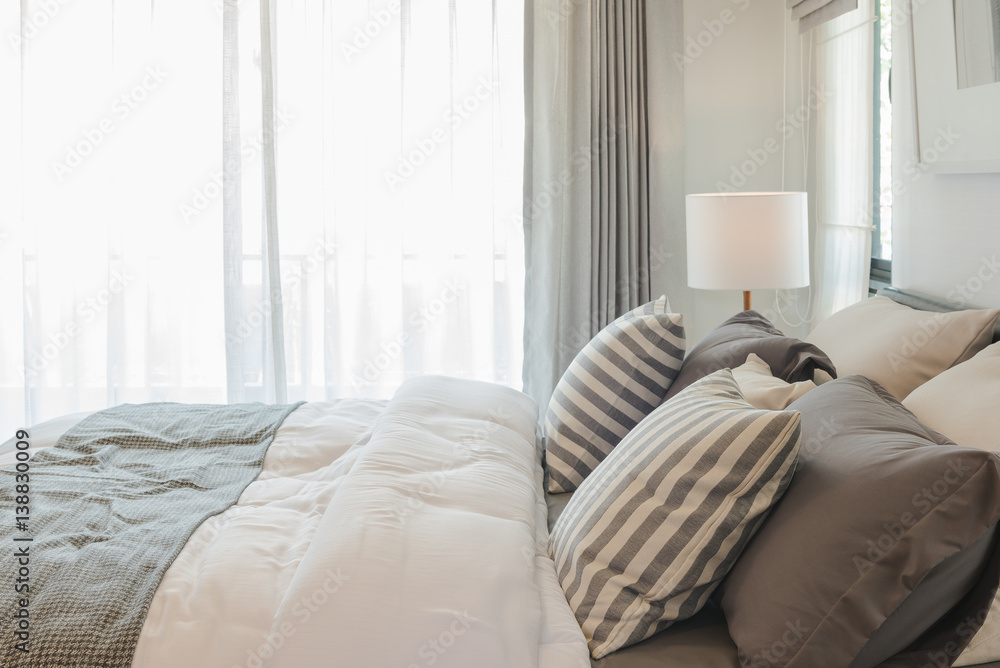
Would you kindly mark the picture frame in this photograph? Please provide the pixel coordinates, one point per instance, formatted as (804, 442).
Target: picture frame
(956, 129)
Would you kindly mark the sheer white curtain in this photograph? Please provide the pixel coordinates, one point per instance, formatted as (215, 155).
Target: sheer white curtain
(844, 50)
(256, 200)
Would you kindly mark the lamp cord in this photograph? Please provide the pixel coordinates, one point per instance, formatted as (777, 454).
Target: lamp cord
(804, 91)
(784, 92)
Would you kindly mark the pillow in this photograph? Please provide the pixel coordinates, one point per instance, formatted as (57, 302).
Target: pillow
(729, 344)
(900, 347)
(885, 528)
(647, 537)
(699, 642)
(821, 377)
(762, 390)
(612, 384)
(962, 403)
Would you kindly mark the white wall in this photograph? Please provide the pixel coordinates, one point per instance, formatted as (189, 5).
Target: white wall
(733, 109)
(946, 227)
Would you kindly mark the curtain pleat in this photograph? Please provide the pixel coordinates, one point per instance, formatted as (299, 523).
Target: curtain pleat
(405, 24)
(642, 273)
(232, 197)
(587, 198)
(275, 378)
(620, 191)
(29, 266)
(602, 194)
(333, 370)
(844, 145)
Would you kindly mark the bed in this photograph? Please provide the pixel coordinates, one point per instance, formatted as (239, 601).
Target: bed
(422, 531)
(419, 516)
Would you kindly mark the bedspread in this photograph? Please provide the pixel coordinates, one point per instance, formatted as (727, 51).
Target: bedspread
(405, 533)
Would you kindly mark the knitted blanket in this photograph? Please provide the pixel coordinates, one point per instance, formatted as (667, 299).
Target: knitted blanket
(93, 524)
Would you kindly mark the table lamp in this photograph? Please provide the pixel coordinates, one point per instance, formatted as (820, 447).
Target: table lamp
(747, 241)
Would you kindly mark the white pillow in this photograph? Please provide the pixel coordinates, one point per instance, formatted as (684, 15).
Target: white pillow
(762, 390)
(820, 377)
(963, 403)
(899, 347)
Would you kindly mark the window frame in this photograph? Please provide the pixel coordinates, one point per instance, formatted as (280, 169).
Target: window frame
(880, 273)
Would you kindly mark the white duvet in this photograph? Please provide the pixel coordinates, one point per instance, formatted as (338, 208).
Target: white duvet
(406, 533)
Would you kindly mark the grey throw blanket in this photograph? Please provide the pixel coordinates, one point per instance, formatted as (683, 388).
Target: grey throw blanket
(111, 505)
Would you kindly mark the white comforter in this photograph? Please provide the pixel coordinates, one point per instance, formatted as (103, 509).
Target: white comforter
(410, 533)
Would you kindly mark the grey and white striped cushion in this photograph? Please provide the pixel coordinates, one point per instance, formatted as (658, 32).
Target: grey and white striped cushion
(618, 378)
(651, 533)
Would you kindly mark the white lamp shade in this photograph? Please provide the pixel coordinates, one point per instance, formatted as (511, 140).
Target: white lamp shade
(747, 241)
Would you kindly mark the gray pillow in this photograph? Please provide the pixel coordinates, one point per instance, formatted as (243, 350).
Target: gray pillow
(699, 642)
(728, 345)
(886, 528)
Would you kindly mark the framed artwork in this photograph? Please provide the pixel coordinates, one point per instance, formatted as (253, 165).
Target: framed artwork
(955, 64)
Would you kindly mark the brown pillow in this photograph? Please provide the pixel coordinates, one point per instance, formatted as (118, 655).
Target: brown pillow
(886, 527)
(728, 345)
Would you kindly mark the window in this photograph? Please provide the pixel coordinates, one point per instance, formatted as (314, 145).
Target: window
(135, 264)
(881, 270)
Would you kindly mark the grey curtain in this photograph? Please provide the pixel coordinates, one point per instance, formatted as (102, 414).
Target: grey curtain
(587, 177)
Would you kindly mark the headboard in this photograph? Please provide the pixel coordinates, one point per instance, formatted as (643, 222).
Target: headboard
(926, 303)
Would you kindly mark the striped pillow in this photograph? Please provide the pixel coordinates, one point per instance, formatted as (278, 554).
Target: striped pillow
(649, 536)
(618, 378)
